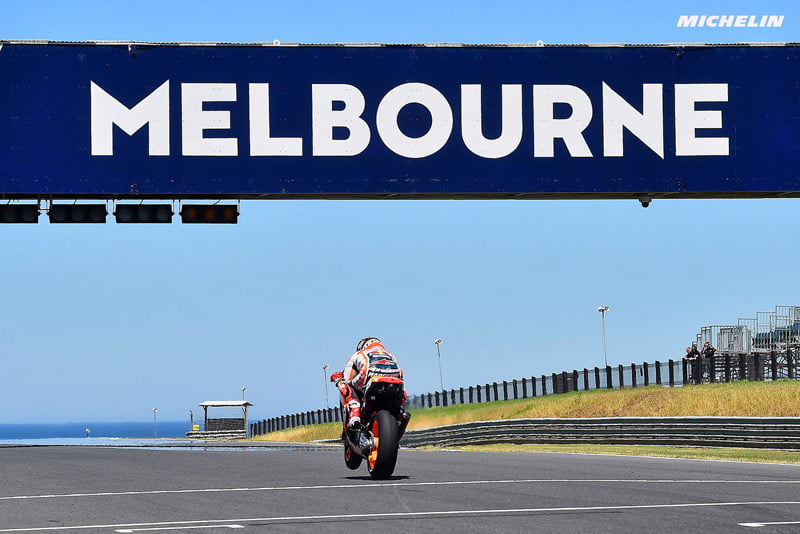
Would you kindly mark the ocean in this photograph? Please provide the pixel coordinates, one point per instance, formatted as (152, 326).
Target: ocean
(12, 433)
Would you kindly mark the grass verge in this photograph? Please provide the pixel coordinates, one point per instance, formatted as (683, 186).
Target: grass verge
(742, 399)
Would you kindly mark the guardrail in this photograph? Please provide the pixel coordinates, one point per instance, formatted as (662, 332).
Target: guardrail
(746, 432)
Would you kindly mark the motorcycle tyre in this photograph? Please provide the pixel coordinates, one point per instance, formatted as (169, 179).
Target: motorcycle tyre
(351, 459)
(384, 428)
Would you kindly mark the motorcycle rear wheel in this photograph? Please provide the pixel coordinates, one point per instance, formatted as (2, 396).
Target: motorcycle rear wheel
(383, 457)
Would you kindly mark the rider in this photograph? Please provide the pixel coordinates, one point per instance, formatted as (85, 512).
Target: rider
(352, 380)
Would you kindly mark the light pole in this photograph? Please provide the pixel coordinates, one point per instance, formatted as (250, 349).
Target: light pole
(155, 423)
(603, 310)
(325, 381)
(243, 390)
(438, 342)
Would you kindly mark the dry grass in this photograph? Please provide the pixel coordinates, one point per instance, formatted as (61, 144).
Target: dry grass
(728, 454)
(753, 399)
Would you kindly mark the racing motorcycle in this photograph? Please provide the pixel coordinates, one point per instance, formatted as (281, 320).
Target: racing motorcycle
(383, 423)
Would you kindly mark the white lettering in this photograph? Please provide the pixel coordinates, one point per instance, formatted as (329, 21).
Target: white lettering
(546, 128)
(560, 112)
(261, 143)
(730, 21)
(648, 126)
(688, 119)
(775, 21)
(107, 111)
(195, 120)
(441, 120)
(324, 119)
(472, 122)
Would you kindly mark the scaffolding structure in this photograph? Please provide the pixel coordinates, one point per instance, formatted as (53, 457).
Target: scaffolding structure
(773, 336)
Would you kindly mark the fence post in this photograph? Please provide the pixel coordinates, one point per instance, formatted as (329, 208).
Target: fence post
(743, 367)
(524, 388)
(671, 373)
(712, 369)
(556, 389)
(727, 367)
(621, 376)
(658, 372)
(633, 375)
(478, 387)
(514, 388)
(609, 381)
(759, 368)
(544, 385)
(585, 379)
(646, 369)
(505, 390)
(489, 394)
(460, 396)
(773, 365)
(685, 371)
(452, 397)
(533, 386)
(597, 378)
(790, 363)
(494, 388)
(470, 395)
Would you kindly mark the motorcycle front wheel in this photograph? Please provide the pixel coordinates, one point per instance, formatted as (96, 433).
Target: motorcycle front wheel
(383, 456)
(351, 459)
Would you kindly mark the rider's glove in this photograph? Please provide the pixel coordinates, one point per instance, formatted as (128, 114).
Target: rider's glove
(338, 375)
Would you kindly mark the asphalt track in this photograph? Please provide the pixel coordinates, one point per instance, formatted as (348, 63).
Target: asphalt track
(309, 489)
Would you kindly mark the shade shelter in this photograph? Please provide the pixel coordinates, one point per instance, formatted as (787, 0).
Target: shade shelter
(225, 424)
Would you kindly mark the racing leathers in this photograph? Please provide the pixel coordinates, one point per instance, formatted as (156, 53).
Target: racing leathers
(352, 380)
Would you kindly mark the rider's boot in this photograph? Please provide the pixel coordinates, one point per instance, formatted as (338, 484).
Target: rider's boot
(354, 417)
(402, 421)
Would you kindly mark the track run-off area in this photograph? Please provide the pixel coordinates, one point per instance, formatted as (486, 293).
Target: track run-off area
(273, 488)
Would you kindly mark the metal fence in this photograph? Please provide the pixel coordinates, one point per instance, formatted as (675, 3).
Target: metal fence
(723, 367)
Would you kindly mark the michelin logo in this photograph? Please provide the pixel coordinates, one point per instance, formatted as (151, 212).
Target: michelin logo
(730, 21)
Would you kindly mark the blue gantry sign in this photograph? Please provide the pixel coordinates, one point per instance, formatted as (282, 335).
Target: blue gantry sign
(138, 120)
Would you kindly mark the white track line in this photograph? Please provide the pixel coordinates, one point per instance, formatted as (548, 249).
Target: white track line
(773, 523)
(447, 513)
(130, 530)
(393, 485)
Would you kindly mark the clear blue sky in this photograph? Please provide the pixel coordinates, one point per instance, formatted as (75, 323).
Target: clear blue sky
(105, 323)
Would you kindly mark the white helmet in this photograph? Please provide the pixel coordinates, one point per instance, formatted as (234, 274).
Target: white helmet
(367, 341)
